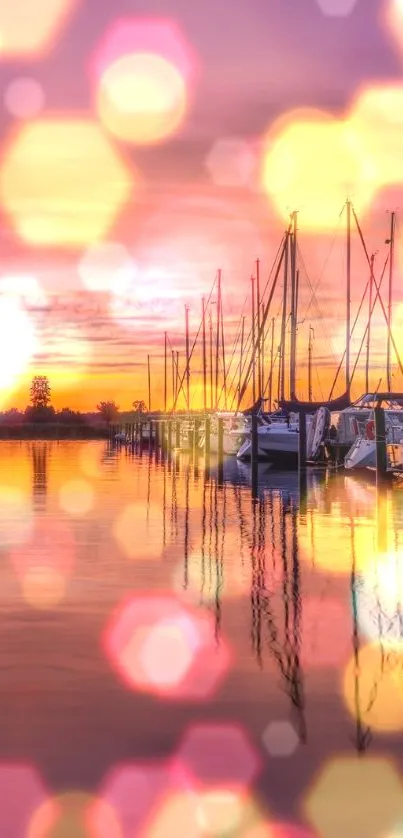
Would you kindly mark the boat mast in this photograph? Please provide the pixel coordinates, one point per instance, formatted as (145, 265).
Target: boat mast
(261, 365)
(259, 346)
(241, 355)
(294, 296)
(391, 243)
(224, 366)
(271, 364)
(177, 377)
(173, 377)
(187, 359)
(211, 358)
(371, 285)
(283, 326)
(252, 279)
(204, 355)
(310, 348)
(165, 372)
(149, 383)
(217, 346)
(348, 297)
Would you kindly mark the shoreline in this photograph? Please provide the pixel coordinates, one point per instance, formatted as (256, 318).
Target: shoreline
(32, 431)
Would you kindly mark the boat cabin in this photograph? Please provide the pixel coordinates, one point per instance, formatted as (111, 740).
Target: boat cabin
(351, 422)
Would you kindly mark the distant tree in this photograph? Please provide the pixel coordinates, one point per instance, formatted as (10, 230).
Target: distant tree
(13, 416)
(139, 406)
(109, 411)
(39, 413)
(70, 417)
(40, 391)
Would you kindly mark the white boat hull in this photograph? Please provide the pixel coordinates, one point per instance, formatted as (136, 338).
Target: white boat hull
(275, 443)
(362, 454)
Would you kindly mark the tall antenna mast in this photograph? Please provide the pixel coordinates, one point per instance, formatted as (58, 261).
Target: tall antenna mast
(348, 297)
(283, 325)
(187, 360)
(252, 279)
(217, 348)
(271, 365)
(204, 355)
(259, 347)
(149, 383)
(310, 348)
(371, 286)
(294, 302)
(391, 243)
(211, 358)
(165, 373)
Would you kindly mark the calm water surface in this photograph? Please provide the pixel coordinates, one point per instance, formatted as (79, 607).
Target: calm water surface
(178, 659)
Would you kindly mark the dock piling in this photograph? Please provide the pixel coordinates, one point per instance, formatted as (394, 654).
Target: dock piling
(302, 470)
(220, 440)
(380, 442)
(254, 456)
(196, 440)
(169, 436)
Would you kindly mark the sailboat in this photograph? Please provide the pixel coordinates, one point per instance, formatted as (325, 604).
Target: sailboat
(362, 453)
(278, 437)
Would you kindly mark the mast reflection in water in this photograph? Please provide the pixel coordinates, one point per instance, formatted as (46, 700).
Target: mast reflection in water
(193, 612)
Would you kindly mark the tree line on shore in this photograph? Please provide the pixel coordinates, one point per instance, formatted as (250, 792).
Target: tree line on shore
(41, 411)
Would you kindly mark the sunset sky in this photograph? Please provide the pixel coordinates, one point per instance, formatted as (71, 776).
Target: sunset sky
(146, 145)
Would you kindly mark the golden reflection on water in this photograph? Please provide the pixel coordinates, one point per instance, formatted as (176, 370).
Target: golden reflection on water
(169, 586)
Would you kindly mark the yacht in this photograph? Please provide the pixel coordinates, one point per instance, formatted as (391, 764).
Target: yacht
(234, 424)
(362, 453)
(277, 442)
(346, 426)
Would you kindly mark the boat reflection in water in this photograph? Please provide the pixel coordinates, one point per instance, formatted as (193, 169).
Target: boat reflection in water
(257, 640)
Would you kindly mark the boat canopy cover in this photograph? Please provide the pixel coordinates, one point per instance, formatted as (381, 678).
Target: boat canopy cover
(295, 406)
(389, 400)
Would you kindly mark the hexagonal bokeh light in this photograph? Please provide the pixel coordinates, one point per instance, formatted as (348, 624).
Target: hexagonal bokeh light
(62, 183)
(373, 688)
(157, 645)
(77, 497)
(108, 267)
(379, 600)
(16, 516)
(29, 30)
(138, 531)
(44, 563)
(280, 739)
(212, 813)
(142, 74)
(22, 792)
(18, 342)
(25, 288)
(232, 162)
(74, 813)
(392, 19)
(134, 790)
(219, 754)
(313, 162)
(353, 796)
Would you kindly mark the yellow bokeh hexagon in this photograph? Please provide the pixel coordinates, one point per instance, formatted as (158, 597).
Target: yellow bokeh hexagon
(376, 117)
(374, 691)
(314, 162)
(355, 797)
(31, 27)
(62, 183)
